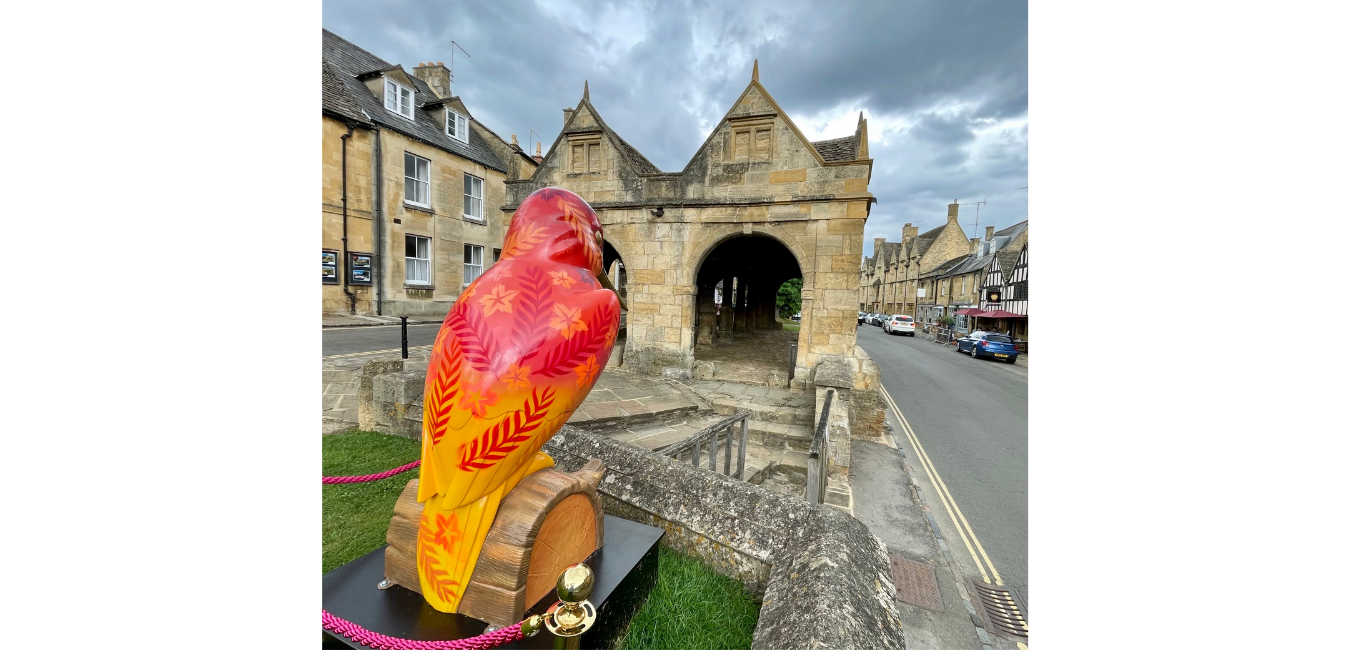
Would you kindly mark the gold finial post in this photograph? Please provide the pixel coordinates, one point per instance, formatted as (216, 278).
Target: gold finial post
(573, 614)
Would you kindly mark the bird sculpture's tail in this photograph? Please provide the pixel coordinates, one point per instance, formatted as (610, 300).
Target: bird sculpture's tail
(449, 539)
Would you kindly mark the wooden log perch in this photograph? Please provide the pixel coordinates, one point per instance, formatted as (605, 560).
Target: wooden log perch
(550, 520)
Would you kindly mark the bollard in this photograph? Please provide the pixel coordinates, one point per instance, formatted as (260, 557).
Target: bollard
(404, 321)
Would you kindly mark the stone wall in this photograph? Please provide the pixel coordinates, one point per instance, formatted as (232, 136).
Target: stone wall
(824, 578)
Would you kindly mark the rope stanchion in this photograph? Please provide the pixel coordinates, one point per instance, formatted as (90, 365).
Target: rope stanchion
(376, 640)
(370, 477)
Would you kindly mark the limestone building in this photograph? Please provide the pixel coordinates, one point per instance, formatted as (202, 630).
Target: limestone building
(413, 186)
(896, 271)
(758, 204)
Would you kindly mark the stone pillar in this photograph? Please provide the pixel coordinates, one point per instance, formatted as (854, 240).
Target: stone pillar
(707, 314)
(742, 305)
(834, 372)
(728, 290)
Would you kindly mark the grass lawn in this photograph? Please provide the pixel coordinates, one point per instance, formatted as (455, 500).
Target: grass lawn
(691, 607)
(790, 325)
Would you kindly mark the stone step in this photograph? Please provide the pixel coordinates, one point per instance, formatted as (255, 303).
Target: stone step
(658, 435)
(764, 412)
(775, 434)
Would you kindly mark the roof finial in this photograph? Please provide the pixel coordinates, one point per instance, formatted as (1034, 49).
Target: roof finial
(586, 90)
(754, 74)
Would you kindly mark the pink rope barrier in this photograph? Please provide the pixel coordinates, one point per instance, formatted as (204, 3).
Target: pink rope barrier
(370, 477)
(376, 640)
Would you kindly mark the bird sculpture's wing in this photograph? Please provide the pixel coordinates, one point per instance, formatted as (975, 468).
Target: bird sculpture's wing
(514, 358)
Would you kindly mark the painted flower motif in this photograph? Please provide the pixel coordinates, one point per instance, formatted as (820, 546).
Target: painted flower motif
(562, 278)
(477, 402)
(448, 533)
(567, 321)
(499, 299)
(516, 377)
(587, 372)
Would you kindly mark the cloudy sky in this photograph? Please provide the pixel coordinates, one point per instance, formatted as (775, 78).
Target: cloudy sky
(943, 84)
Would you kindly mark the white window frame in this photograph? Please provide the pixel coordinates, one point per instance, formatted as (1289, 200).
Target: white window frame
(472, 271)
(411, 183)
(457, 126)
(472, 201)
(395, 102)
(417, 269)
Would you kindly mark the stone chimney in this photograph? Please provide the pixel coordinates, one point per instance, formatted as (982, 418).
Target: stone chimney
(952, 208)
(989, 233)
(538, 157)
(876, 245)
(910, 232)
(435, 75)
(567, 116)
(514, 142)
(974, 244)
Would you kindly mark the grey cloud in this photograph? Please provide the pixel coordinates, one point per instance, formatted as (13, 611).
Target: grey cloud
(911, 61)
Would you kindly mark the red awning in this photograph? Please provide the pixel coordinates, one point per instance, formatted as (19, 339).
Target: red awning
(999, 313)
(969, 311)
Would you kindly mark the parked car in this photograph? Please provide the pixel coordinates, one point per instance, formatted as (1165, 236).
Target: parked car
(797, 317)
(877, 318)
(862, 315)
(898, 324)
(988, 344)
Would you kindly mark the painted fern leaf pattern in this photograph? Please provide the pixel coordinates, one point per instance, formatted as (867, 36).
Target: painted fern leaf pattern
(441, 398)
(532, 311)
(527, 237)
(563, 358)
(429, 566)
(508, 435)
(474, 337)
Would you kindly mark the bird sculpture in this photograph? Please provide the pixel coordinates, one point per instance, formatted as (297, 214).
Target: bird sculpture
(516, 355)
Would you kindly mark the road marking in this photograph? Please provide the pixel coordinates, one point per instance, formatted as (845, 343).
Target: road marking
(357, 354)
(954, 511)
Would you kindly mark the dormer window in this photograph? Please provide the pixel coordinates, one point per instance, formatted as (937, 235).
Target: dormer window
(398, 98)
(456, 126)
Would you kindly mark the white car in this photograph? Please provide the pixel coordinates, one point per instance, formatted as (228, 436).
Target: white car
(898, 324)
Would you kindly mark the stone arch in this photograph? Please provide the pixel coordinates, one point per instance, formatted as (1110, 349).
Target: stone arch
(744, 341)
(704, 247)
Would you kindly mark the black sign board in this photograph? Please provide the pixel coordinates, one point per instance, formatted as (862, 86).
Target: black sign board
(330, 266)
(993, 295)
(359, 267)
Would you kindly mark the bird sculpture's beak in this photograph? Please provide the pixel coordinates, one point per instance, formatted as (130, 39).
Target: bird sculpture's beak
(605, 282)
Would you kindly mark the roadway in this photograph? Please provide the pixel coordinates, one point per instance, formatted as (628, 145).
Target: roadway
(345, 341)
(970, 420)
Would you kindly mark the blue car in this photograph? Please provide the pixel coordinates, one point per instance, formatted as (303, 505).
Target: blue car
(988, 344)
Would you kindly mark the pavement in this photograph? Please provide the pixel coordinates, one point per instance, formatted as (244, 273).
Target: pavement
(960, 430)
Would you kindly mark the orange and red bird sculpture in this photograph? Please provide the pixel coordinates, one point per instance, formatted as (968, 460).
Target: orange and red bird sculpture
(517, 354)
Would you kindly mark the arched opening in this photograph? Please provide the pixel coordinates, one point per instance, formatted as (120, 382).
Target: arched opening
(613, 265)
(737, 322)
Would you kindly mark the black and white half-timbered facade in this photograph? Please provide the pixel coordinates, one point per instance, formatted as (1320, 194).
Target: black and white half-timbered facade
(1008, 277)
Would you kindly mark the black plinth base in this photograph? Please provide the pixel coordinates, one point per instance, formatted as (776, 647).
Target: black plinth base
(625, 573)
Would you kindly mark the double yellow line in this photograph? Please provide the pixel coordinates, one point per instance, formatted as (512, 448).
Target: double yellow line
(958, 520)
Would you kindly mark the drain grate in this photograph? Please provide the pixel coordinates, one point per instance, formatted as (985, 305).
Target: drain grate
(915, 583)
(1000, 608)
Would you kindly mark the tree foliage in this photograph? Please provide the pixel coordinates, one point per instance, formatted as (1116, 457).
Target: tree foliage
(790, 298)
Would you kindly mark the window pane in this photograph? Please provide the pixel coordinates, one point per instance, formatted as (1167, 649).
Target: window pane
(450, 124)
(410, 246)
(463, 128)
(478, 255)
(424, 170)
(424, 248)
(468, 253)
(409, 165)
(468, 184)
(478, 187)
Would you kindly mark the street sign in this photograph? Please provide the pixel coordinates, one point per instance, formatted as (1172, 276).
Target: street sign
(993, 296)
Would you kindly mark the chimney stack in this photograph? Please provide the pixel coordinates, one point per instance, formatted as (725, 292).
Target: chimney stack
(952, 208)
(989, 233)
(435, 75)
(538, 157)
(909, 232)
(514, 142)
(974, 244)
(567, 116)
(876, 245)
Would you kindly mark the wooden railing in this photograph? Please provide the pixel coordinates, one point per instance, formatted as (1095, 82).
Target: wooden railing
(818, 461)
(692, 447)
